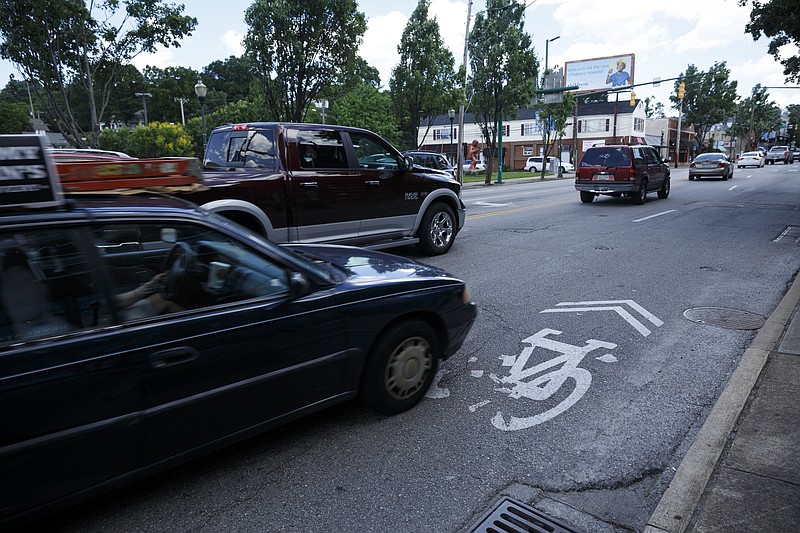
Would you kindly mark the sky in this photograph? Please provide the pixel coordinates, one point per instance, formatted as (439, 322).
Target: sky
(664, 37)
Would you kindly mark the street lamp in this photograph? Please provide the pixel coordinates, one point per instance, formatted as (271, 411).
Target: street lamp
(547, 50)
(452, 114)
(201, 90)
(144, 96)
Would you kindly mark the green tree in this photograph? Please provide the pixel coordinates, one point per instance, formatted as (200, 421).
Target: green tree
(114, 139)
(167, 84)
(78, 45)
(422, 82)
(779, 20)
(755, 116)
(300, 50)
(793, 130)
(367, 107)
(709, 98)
(14, 117)
(231, 77)
(504, 69)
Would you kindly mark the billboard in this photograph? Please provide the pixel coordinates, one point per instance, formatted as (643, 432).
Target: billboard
(610, 72)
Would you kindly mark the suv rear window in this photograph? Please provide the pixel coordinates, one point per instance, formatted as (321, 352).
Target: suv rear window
(607, 157)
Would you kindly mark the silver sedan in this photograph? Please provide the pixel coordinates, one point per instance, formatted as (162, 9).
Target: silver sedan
(713, 164)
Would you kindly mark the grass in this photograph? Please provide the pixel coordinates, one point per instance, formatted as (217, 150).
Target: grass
(480, 177)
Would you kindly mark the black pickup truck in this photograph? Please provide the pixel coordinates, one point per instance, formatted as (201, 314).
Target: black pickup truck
(318, 183)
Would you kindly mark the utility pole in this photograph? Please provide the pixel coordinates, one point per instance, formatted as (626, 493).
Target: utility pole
(144, 96)
(460, 166)
(681, 90)
(182, 101)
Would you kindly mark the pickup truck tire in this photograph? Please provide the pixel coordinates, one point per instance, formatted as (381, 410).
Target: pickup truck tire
(587, 197)
(437, 231)
(400, 367)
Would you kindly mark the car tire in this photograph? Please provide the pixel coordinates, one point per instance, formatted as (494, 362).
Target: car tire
(400, 368)
(641, 195)
(691, 178)
(437, 231)
(562, 170)
(587, 197)
(663, 192)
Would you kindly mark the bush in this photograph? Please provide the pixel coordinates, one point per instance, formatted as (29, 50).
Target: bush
(157, 139)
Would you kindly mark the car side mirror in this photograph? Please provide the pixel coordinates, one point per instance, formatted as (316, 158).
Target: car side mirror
(408, 163)
(667, 159)
(298, 284)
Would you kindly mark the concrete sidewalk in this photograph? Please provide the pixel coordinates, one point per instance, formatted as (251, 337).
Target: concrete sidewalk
(742, 473)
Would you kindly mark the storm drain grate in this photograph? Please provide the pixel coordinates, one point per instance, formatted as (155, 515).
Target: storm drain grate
(724, 318)
(512, 516)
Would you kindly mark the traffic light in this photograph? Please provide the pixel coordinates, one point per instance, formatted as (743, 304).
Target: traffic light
(681, 90)
(633, 98)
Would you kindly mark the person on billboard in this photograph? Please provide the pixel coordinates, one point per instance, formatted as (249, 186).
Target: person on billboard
(620, 77)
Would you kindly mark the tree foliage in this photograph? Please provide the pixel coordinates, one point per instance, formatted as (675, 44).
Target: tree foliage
(157, 139)
(77, 46)
(754, 117)
(709, 99)
(779, 20)
(504, 69)
(367, 107)
(423, 80)
(14, 117)
(301, 49)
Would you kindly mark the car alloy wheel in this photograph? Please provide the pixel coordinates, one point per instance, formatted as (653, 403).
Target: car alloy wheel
(437, 230)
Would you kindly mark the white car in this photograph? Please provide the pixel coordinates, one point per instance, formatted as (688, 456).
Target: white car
(534, 164)
(750, 159)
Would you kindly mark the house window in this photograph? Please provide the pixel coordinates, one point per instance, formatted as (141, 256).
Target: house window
(530, 129)
(638, 124)
(594, 125)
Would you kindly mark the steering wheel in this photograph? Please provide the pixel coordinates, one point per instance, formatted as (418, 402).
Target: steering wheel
(179, 264)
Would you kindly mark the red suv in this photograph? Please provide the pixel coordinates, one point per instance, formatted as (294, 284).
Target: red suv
(622, 170)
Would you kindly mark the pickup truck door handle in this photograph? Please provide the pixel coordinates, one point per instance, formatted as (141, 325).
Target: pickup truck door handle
(173, 356)
(373, 182)
(309, 184)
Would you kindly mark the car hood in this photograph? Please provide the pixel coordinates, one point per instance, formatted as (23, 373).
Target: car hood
(365, 265)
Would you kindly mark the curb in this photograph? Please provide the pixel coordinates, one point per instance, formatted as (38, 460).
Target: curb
(679, 501)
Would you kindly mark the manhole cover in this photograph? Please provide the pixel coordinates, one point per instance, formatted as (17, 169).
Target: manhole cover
(724, 318)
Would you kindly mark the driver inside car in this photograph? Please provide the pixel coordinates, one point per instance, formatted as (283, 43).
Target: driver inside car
(146, 300)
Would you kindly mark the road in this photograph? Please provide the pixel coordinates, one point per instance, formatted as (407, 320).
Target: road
(579, 389)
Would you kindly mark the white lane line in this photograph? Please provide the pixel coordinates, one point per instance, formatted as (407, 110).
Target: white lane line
(656, 215)
(733, 187)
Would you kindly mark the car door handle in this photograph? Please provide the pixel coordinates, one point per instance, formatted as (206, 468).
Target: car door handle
(173, 356)
(308, 184)
(372, 182)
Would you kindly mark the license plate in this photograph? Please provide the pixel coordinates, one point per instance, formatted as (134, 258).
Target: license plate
(602, 176)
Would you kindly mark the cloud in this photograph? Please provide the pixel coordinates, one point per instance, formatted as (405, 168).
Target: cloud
(232, 40)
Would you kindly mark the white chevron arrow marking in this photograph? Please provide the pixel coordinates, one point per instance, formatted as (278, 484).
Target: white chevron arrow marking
(612, 305)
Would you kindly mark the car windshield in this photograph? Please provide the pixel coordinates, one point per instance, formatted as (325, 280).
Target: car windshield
(607, 157)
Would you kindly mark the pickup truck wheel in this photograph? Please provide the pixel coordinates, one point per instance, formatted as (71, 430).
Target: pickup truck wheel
(663, 192)
(438, 229)
(587, 197)
(401, 367)
(641, 195)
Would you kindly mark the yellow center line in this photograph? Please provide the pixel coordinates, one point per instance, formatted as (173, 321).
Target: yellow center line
(517, 209)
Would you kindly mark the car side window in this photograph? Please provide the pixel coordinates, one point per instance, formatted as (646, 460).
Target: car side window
(321, 149)
(372, 153)
(260, 152)
(652, 157)
(46, 286)
(165, 268)
(638, 156)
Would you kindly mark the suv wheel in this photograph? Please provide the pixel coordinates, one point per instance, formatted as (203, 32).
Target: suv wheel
(437, 230)
(641, 195)
(587, 197)
(663, 192)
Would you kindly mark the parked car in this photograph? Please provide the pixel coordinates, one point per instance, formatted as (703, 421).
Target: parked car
(622, 170)
(750, 159)
(432, 160)
(780, 153)
(534, 164)
(140, 331)
(711, 164)
(796, 153)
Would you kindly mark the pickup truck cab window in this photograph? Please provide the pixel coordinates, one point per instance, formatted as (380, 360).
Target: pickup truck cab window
(242, 148)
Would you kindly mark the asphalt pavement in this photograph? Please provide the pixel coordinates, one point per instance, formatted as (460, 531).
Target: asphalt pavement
(742, 472)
